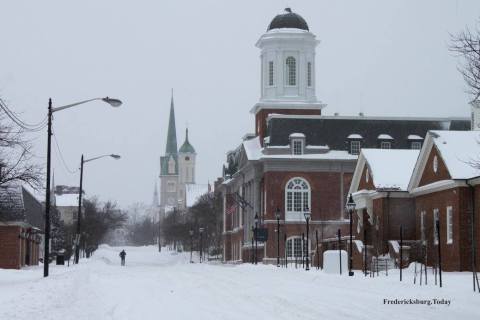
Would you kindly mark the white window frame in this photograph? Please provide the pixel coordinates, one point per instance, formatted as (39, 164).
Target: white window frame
(291, 252)
(385, 145)
(271, 73)
(355, 145)
(436, 215)
(297, 199)
(291, 71)
(449, 224)
(416, 145)
(297, 146)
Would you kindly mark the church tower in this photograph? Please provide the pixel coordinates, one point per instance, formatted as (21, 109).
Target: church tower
(287, 70)
(169, 166)
(186, 162)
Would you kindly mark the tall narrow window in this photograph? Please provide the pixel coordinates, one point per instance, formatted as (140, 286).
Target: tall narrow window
(270, 73)
(449, 225)
(435, 219)
(309, 74)
(422, 225)
(291, 71)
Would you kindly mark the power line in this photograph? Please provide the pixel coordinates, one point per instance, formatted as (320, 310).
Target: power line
(64, 163)
(26, 126)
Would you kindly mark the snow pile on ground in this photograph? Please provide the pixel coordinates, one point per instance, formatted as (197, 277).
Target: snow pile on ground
(163, 285)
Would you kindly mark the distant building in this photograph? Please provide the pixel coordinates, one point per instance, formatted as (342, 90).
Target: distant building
(21, 227)
(177, 169)
(66, 201)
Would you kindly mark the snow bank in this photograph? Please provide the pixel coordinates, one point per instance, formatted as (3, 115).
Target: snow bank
(331, 261)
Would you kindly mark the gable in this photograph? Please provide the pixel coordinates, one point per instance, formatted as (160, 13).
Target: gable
(428, 174)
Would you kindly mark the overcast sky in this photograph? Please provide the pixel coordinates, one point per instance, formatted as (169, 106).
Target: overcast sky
(377, 57)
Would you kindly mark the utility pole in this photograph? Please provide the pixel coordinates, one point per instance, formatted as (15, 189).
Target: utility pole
(46, 255)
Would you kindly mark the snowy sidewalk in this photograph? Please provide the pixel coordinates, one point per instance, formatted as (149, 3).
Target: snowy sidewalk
(164, 286)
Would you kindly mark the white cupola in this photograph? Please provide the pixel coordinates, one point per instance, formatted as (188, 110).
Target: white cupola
(288, 60)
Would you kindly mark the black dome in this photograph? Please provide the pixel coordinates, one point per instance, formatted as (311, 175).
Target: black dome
(288, 19)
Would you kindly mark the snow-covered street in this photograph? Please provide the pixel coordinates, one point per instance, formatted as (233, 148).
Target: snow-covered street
(167, 286)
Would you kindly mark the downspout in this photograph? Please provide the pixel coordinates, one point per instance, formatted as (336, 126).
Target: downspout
(388, 222)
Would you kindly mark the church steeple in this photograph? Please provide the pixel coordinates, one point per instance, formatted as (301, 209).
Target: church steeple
(172, 132)
(186, 146)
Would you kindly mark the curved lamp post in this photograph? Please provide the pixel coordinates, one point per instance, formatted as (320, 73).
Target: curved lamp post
(307, 215)
(80, 192)
(51, 110)
(350, 207)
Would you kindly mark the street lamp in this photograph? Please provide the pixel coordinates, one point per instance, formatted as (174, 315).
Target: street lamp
(51, 110)
(80, 192)
(201, 243)
(277, 215)
(307, 215)
(255, 236)
(350, 207)
(191, 245)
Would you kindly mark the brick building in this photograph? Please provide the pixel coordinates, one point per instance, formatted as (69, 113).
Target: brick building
(21, 225)
(383, 203)
(299, 161)
(446, 187)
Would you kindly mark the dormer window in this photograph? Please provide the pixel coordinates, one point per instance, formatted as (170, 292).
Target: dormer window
(355, 143)
(355, 147)
(385, 141)
(297, 143)
(385, 145)
(415, 142)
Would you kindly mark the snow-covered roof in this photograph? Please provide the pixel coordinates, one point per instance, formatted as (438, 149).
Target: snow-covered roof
(317, 147)
(297, 135)
(354, 136)
(390, 168)
(459, 150)
(193, 192)
(414, 137)
(384, 136)
(66, 200)
(253, 149)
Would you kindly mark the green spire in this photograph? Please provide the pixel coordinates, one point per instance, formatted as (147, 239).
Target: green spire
(186, 146)
(172, 132)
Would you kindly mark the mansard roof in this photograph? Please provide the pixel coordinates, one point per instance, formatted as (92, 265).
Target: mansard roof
(333, 131)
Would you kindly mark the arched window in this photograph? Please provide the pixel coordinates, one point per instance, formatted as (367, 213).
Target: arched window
(291, 71)
(297, 197)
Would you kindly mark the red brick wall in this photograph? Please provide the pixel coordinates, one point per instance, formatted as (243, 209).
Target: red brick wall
(10, 247)
(363, 184)
(428, 175)
(455, 256)
(261, 124)
(327, 203)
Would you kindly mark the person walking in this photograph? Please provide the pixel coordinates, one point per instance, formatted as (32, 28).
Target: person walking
(122, 256)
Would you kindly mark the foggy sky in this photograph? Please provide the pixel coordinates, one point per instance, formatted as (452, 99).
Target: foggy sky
(377, 57)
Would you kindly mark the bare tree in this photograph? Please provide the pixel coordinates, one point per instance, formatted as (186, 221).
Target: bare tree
(466, 44)
(16, 157)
